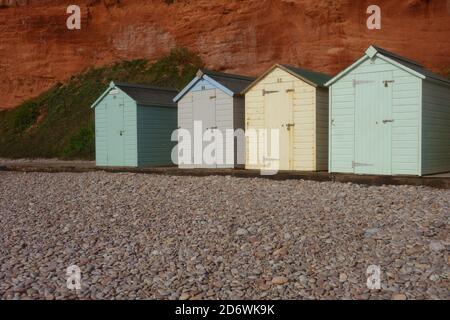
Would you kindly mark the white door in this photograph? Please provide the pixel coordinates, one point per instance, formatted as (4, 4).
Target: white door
(373, 123)
(278, 114)
(116, 132)
(204, 113)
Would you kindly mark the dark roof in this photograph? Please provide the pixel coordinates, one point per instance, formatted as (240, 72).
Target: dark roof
(235, 83)
(413, 65)
(409, 65)
(315, 77)
(397, 57)
(149, 95)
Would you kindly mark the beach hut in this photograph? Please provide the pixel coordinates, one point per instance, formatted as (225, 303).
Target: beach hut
(133, 126)
(211, 104)
(294, 101)
(389, 116)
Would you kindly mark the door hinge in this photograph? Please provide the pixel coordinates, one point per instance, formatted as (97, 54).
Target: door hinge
(356, 82)
(386, 82)
(358, 164)
(264, 92)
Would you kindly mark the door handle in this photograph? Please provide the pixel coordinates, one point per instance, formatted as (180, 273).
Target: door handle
(289, 125)
(388, 120)
(212, 128)
(386, 82)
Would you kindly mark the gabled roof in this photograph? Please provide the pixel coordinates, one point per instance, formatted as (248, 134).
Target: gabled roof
(316, 79)
(404, 63)
(143, 95)
(232, 84)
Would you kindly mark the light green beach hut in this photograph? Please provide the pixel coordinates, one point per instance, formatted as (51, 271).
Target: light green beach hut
(389, 116)
(133, 126)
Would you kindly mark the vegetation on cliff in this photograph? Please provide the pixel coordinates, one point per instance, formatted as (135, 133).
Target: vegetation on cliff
(60, 124)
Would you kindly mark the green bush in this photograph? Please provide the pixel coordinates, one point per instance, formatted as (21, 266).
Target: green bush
(26, 116)
(81, 145)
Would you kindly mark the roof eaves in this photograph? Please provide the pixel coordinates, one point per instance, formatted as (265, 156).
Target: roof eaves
(225, 75)
(104, 94)
(186, 89)
(297, 75)
(346, 70)
(282, 67)
(219, 85)
(395, 56)
(164, 105)
(207, 75)
(141, 86)
(257, 80)
(401, 66)
(438, 80)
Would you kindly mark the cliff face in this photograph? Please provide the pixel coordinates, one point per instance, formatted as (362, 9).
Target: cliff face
(37, 50)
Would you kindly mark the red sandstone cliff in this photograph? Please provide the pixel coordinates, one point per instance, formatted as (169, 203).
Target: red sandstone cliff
(246, 36)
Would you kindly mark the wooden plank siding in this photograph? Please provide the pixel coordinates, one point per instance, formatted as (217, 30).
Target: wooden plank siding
(185, 121)
(154, 131)
(224, 122)
(406, 128)
(101, 135)
(130, 134)
(103, 145)
(321, 130)
(435, 128)
(239, 123)
(342, 125)
(309, 113)
(229, 115)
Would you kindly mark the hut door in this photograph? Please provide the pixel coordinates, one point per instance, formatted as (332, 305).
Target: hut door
(373, 123)
(278, 114)
(204, 105)
(116, 132)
